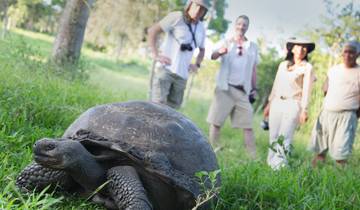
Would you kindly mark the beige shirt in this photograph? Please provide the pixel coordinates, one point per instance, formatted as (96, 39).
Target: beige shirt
(293, 84)
(343, 88)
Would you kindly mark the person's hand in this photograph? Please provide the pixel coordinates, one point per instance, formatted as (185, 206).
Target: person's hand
(163, 60)
(266, 110)
(193, 68)
(253, 92)
(303, 117)
(222, 51)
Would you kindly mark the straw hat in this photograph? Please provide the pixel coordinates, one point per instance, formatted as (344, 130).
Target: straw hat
(295, 41)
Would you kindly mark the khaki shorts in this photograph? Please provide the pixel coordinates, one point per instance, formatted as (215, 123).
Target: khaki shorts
(334, 132)
(168, 88)
(231, 102)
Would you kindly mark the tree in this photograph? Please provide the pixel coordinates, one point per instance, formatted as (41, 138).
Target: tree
(341, 25)
(125, 27)
(4, 8)
(69, 39)
(217, 20)
(266, 71)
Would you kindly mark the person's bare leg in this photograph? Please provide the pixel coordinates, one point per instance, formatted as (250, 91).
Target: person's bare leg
(318, 158)
(249, 140)
(214, 135)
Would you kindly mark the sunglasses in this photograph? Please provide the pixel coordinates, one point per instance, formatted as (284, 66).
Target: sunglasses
(240, 50)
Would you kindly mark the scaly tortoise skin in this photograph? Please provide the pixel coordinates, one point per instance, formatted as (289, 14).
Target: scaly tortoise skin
(146, 154)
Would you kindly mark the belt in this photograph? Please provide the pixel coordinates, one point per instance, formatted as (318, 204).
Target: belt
(290, 97)
(239, 87)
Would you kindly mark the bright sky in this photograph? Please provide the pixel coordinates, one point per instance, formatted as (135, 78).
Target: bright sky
(276, 20)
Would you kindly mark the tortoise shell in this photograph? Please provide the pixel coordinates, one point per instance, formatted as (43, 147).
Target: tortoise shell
(164, 146)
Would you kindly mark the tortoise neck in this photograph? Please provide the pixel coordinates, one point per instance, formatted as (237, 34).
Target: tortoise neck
(87, 172)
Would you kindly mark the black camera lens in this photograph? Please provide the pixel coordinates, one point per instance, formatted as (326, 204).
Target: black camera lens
(184, 47)
(252, 99)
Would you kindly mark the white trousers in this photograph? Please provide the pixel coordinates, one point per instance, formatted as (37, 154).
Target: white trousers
(283, 120)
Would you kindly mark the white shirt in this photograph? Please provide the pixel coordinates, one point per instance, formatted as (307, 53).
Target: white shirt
(343, 89)
(177, 32)
(294, 84)
(236, 69)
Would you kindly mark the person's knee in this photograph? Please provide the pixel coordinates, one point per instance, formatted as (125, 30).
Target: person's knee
(341, 162)
(217, 127)
(159, 100)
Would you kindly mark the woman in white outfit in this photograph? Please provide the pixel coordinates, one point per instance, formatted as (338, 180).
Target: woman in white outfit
(289, 99)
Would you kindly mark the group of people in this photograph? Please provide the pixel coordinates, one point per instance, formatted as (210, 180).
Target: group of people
(287, 106)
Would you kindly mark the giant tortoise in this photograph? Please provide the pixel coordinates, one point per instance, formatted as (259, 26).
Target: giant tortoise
(140, 155)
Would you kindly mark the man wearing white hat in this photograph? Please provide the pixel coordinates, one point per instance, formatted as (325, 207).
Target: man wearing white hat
(335, 128)
(184, 32)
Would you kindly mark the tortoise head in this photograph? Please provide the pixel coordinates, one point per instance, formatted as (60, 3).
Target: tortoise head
(58, 154)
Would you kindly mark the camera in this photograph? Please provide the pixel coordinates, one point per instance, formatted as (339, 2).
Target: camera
(265, 125)
(252, 98)
(184, 47)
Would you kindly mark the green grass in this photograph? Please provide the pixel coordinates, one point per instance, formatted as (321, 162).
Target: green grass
(36, 102)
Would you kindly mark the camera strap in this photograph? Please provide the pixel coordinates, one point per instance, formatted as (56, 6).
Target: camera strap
(192, 32)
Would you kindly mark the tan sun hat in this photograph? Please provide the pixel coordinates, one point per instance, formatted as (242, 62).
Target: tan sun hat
(295, 41)
(204, 3)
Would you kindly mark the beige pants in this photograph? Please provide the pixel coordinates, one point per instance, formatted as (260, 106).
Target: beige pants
(283, 120)
(334, 132)
(168, 88)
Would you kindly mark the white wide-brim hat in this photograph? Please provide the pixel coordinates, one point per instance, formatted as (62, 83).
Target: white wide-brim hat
(295, 41)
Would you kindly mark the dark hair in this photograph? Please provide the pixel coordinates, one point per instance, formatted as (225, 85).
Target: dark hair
(243, 17)
(290, 57)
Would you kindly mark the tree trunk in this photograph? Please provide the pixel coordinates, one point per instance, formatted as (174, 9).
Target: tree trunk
(211, 12)
(5, 21)
(70, 36)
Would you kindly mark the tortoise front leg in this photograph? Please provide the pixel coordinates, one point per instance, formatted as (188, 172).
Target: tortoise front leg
(126, 189)
(35, 176)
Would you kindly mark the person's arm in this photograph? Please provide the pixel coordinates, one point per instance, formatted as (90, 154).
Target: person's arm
(325, 86)
(253, 79)
(306, 93)
(274, 86)
(199, 58)
(254, 74)
(272, 93)
(153, 33)
(220, 49)
(358, 110)
(215, 55)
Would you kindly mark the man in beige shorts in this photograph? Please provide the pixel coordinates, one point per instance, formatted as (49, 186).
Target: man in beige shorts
(236, 81)
(335, 128)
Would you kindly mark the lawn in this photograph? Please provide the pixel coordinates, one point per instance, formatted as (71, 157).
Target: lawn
(37, 101)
